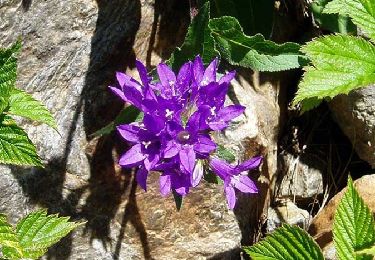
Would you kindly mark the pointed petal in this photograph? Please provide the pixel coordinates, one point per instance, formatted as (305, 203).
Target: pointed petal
(244, 184)
(228, 113)
(231, 196)
(129, 132)
(180, 183)
(153, 123)
(198, 69)
(119, 93)
(142, 72)
(249, 164)
(227, 78)
(184, 77)
(132, 157)
(221, 168)
(133, 96)
(210, 73)
(218, 125)
(121, 78)
(193, 123)
(187, 158)
(174, 128)
(165, 184)
(166, 75)
(141, 177)
(171, 149)
(204, 145)
(197, 173)
(151, 161)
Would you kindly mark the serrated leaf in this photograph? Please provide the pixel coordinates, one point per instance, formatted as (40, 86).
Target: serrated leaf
(353, 226)
(8, 240)
(340, 64)
(38, 231)
(253, 51)
(362, 13)
(367, 251)
(225, 154)
(198, 40)
(23, 104)
(15, 146)
(126, 116)
(286, 243)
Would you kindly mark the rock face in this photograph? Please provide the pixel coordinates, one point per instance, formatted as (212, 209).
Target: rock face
(321, 226)
(355, 113)
(71, 50)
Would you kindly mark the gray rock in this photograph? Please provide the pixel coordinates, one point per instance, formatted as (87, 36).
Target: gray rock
(355, 113)
(71, 50)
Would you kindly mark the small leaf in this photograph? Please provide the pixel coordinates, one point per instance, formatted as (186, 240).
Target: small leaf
(225, 154)
(11, 248)
(16, 147)
(353, 226)
(178, 200)
(198, 40)
(38, 231)
(211, 177)
(126, 116)
(340, 64)
(253, 51)
(23, 104)
(286, 243)
(362, 13)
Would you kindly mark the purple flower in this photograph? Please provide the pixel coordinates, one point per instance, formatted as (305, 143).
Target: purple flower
(235, 177)
(181, 111)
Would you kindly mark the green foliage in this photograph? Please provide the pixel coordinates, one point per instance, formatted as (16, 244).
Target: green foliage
(353, 227)
(287, 242)
(368, 251)
(33, 235)
(225, 154)
(332, 22)
(16, 148)
(253, 52)
(362, 13)
(340, 63)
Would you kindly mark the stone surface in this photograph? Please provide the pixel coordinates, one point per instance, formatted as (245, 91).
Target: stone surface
(71, 50)
(302, 176)
(321, 226)
(355, 113)
(287, 213)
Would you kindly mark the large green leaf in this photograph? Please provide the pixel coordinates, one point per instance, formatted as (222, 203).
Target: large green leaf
(9, 243)
(23, 104)
(286, 243)
(253, 51)
(368, 251)
(353, 226)
(15, 146)
(340, 63)
(38, 231)
(362, 13)
(198, 40)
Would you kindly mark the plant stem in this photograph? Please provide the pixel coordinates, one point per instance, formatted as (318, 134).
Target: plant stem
(193, 8)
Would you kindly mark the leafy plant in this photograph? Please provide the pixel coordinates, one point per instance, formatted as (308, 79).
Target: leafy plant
(33, 235)
(340, 63)
(16, 147)
(353, 235)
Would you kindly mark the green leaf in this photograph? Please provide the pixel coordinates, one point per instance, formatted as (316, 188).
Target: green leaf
(353, 226)
(340, 64)
(211, 177)
(198, 40)
(11, 248)
(126, 116)
(178, 200)
(225, 154)
(286, 243)
(368, 251)
(23, 104)
(38, 231)
(15, 146)
(253, 51)
(332, 22)
(362, 13)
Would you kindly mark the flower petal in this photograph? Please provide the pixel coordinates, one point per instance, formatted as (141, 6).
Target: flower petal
(121, 78)
(249, 164)
(231, 196)
(171, 149)
(184, 77)
(166, 75)
(153, 123)
(227, 78)
(141, 177)
(150, 161)
(133, 96)
(165, 184)
(187, 158)
(221, 168)
(197, 175)
(142, 72)
(228, 113)
(198, 69)
(204, 145)
(132, 157)
(180, 183)
(119, 93)
(129, 132)
(210, 73)
(218, 125)
(244, 184)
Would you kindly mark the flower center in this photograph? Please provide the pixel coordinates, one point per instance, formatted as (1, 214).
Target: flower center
(183, 136)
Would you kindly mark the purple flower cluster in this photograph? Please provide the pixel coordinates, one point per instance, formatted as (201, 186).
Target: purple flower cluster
(174, 138)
